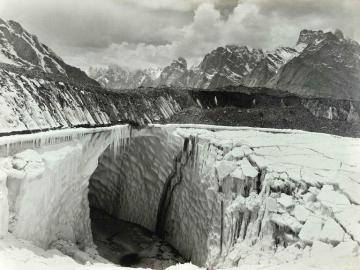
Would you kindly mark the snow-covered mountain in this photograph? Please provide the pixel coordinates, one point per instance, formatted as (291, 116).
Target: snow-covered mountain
(226, 66)
(175, 75)
(116, 77)
(322, 64)
(268, 67)
(22, 49)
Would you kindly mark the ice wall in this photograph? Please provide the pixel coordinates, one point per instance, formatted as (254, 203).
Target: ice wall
(47, 183)
(155, 182)
(129, 185)
(284, 196)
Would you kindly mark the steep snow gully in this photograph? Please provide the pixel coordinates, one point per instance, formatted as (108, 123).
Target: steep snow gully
(220, 196)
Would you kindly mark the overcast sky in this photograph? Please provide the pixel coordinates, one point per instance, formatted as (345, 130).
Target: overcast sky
(141, 33)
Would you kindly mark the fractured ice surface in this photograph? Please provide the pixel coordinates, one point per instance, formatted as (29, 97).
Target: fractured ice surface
(291, 196)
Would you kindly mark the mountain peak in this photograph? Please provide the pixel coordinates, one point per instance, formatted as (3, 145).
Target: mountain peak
(309, 36)
(180, 62)
(23, 49)
(241, 65)
(339, 34)
(16, 26)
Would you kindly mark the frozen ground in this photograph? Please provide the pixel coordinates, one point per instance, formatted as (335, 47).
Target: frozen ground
(248, 198)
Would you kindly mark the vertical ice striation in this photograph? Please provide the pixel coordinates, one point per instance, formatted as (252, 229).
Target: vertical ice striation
(33, 104)
(159, 172)
(120, 137)
(174, 179)
(131, 181)
(274, 195)
(4, 206)
(52, 171)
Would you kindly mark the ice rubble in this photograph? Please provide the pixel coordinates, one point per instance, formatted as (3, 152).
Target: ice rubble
(235, 196)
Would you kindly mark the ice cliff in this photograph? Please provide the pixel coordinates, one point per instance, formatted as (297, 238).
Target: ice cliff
(222, 197)
(47, 179)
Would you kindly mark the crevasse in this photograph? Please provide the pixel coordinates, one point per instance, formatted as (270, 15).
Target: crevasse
(221, 197)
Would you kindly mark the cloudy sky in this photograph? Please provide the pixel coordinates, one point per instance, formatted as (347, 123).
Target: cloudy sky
(142, 33)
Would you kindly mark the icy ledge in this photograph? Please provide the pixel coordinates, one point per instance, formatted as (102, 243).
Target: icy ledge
(259, 199)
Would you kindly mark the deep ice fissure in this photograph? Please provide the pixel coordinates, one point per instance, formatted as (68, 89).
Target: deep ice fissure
(219, 212)
(136, 185)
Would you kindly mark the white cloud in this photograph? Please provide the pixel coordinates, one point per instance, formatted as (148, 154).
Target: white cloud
(182, 5)
(143, 32)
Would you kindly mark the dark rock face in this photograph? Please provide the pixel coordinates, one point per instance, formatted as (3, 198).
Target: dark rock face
(307, 37)
(22, 49)
(268, 67)
(328, 67)
(175, 75)
(227, 66)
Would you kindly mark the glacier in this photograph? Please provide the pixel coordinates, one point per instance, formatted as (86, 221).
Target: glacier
(28, 103)
(222, 196)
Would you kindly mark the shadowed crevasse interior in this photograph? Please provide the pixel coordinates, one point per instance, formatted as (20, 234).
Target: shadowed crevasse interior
(149, 183)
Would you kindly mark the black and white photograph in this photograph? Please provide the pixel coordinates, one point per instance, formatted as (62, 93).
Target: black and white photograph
(180, 134)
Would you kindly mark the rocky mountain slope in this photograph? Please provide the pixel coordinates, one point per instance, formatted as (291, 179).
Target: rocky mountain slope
(22, 49)
(328, 66)
(322, 64)
(226, 66)
(175, 75)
